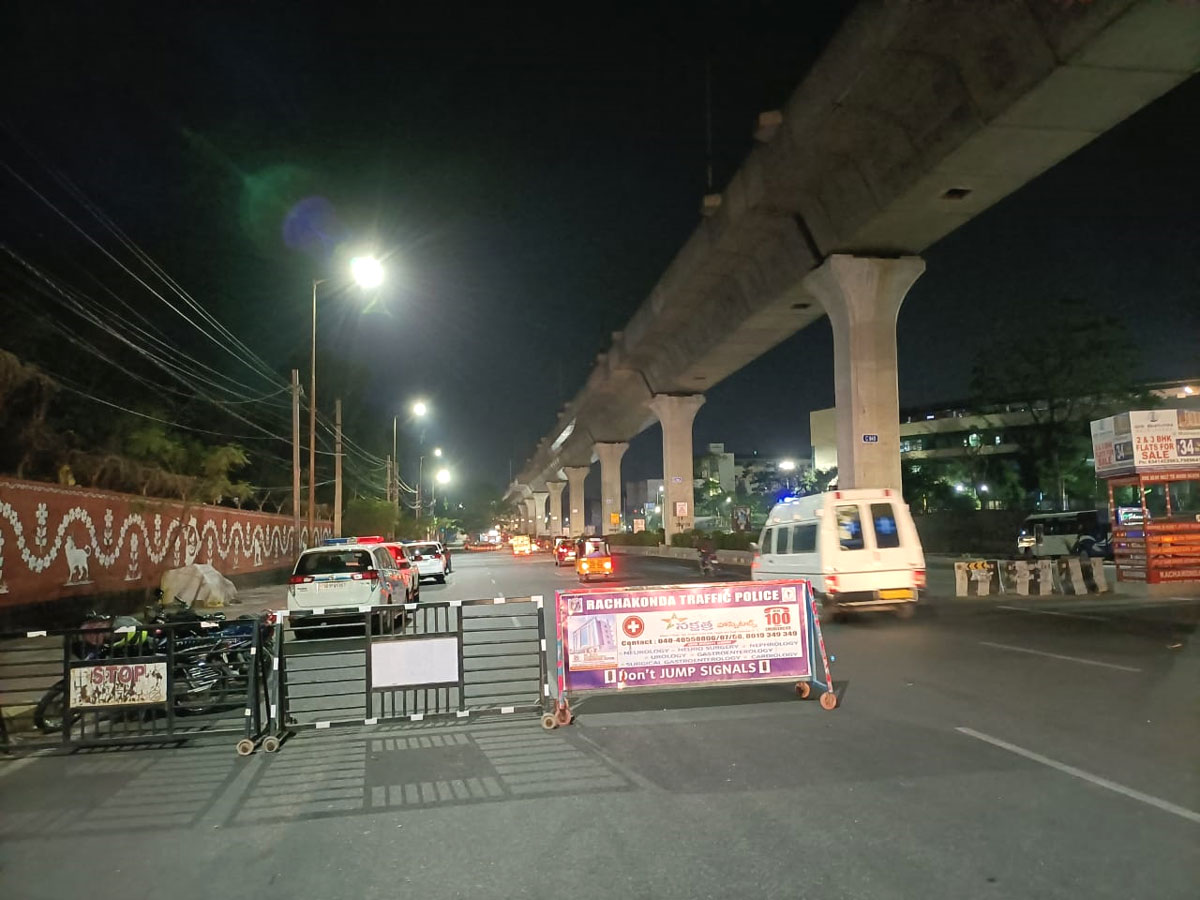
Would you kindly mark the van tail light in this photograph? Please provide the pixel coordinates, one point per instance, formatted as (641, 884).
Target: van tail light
(919, 578)
(370, 575)
(300, 579)
(831, 584)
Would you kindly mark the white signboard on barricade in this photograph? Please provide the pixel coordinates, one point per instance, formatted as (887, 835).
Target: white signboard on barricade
(118, 684)
(412, 662)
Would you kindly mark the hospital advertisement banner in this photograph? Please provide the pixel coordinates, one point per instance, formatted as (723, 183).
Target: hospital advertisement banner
(684, 635)
(1146, 441)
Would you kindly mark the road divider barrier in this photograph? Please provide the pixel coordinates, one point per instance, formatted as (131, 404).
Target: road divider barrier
(1029, 578)
(115, 684)
(1082, 575)
(685, 636)
(456, 659)
(977, 578)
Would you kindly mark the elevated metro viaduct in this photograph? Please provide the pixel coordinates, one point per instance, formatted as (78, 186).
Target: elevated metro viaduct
(916, 118)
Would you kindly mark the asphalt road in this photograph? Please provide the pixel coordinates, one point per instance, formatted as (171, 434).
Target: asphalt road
(1008, 747)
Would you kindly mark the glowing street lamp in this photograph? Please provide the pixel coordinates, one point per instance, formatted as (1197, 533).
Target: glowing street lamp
(419, 408)
(367, 273)
(443, 476)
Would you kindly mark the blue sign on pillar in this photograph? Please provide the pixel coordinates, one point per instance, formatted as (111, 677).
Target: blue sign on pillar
(870, 438)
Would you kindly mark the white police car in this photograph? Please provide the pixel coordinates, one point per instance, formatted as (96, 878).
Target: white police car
(340, 577)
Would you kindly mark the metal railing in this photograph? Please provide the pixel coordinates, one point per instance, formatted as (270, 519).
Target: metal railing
(109, 683)
(454, 659)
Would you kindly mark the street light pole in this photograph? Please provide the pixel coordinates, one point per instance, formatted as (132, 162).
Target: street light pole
(312, 423)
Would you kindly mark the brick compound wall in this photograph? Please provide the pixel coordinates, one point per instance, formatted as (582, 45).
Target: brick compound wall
(61, 543)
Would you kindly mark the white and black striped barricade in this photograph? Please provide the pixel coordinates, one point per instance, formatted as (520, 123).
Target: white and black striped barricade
(686, 636)
(115, 683)
(1082, 575)
(454, 659)
(977, 577)
(1033, 578)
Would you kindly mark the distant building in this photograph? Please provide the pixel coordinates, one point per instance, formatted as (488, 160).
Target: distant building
(643, 497)
(716, 465)
(960, 431)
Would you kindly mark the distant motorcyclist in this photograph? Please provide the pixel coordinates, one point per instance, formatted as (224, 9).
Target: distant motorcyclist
(708, 555)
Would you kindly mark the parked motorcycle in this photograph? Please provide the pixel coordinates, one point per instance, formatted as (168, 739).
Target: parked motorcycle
(206, 665)
(708, 563)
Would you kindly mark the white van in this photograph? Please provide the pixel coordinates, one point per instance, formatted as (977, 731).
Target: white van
(859, 548)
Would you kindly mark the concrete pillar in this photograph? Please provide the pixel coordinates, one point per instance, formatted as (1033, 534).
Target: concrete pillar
(530, 517)
(610, 486)
(862, 297)
(576, 476)
(539, 512)
(676, 414)
(556, 491)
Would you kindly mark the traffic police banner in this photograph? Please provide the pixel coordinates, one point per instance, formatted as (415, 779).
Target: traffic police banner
(684, 635)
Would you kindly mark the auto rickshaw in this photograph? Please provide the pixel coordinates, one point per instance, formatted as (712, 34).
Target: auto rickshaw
(593, 559)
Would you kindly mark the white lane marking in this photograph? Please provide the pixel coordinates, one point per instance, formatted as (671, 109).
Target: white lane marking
(1078, 659)
(1053, 612)
(1164, 805)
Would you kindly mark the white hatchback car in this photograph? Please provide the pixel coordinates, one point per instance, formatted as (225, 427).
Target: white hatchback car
(431, 559)
(340, 577)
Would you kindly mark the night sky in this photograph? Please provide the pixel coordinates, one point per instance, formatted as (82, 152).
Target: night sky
(529, 174)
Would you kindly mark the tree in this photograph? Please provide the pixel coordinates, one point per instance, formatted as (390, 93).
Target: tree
(1072, 366)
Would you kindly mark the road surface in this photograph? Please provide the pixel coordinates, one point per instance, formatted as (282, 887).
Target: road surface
(1007, 747)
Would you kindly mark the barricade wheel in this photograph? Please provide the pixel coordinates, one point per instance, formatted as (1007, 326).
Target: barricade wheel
(803, 690)
(270, 744)
(245, 747)
(549, 721)
(829, 700)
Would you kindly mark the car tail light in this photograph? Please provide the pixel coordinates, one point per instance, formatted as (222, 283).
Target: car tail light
(436, 554)
(300, 579)
(919, 577)
(371, 575)
(831, 584)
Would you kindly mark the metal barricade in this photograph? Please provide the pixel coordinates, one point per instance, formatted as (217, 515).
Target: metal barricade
(109, 684)
(453, 659)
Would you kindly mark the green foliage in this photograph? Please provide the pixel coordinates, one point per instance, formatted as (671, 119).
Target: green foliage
(722, 540)
(1072, 366)
(362, 516)
(640, 539)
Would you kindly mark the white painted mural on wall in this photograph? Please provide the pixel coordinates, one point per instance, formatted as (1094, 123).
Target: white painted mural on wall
(74, 550)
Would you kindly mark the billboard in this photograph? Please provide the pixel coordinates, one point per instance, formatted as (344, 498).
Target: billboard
(1146, 441)
(684, 635)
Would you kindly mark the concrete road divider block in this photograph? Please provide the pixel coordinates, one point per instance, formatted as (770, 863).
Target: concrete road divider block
(977, 577)
(1030, 578)
(1082, 575)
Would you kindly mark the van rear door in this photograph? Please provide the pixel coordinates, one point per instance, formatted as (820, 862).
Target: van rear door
(876, 548)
